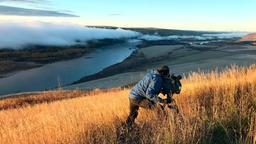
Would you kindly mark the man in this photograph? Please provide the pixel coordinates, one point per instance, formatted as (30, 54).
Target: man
(145, 93)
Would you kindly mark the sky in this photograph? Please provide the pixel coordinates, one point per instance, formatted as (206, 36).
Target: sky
(213, 15)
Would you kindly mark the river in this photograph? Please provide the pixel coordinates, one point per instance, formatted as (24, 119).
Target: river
(65, 72)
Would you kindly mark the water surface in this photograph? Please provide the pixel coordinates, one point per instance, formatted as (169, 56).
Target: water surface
(65, 72)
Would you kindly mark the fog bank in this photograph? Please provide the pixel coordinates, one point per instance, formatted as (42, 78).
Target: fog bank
(206, 36)
(17, 35)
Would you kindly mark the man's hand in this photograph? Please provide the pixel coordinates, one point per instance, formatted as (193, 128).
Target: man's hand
(169, 100)
(160, 100)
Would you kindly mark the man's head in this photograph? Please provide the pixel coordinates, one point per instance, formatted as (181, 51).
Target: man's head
(164, 70)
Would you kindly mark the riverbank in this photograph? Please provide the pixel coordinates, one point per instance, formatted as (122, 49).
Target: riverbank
(29, 57)
(59, 74)
(180, 58)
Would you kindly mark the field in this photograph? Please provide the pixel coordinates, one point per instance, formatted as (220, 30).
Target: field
(216, 107)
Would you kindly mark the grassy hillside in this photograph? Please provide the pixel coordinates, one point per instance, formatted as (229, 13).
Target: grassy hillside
(216, 108)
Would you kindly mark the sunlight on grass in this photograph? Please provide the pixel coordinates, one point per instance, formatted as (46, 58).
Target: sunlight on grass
(216, 107)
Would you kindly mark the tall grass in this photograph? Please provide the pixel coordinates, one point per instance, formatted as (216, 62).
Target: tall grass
(215, 107)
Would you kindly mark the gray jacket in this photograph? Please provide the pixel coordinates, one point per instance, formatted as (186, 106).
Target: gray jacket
(149, 87)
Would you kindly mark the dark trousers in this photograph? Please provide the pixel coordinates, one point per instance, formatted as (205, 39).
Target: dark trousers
(134, 107)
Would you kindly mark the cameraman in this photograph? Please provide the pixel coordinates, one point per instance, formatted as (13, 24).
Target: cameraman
(145, 93)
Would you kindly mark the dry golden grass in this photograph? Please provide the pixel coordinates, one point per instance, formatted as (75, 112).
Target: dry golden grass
(217, 107)
(32, 99)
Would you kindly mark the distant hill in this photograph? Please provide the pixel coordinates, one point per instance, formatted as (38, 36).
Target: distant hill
(250, 38)
(159, 31)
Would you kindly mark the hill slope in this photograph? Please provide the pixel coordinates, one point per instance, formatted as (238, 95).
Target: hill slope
(216, 108)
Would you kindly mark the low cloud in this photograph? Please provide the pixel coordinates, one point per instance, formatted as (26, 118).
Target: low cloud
(212, 36)
(18, 35)
(152, 37)
(8, 10)
(227, 35)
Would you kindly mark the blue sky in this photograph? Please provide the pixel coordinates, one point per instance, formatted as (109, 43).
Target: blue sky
(230, 15)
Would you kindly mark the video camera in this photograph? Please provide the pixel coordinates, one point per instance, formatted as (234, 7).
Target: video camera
(171, 85)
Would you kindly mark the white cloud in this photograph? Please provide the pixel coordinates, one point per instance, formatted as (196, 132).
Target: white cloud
(16, 35)
(28, 1)
(9, 10)
(152, 37)
(226, 35)
(171, 37)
